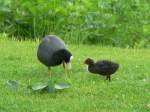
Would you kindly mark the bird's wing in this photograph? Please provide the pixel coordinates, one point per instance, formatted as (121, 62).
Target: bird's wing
(102, 66)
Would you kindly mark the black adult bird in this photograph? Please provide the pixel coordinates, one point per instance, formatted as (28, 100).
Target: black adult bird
(102, 67)
(52, 52)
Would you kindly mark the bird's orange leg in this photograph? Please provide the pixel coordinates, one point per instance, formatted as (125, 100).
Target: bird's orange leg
(65, 68)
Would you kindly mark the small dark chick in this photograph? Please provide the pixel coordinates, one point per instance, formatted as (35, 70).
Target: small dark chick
(102, 67)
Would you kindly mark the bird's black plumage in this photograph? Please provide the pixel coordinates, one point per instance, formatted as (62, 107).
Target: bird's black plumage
(102, 67)
(52, 51)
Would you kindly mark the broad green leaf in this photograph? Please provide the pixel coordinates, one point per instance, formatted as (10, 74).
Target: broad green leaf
(62, 86)
(39, 86)
(13, 84)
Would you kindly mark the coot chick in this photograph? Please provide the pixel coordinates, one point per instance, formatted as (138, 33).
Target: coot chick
(102, 67)
(52, 51)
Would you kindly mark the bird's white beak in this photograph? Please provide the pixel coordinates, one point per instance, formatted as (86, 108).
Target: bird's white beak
(68, 65)
(71, 58)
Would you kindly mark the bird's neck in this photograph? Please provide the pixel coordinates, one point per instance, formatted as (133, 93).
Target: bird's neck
(91, 65)
(91, 68)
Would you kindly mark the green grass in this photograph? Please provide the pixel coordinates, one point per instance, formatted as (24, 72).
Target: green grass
(127, 92)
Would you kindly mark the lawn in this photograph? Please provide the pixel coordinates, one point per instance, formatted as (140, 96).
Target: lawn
(127, 92)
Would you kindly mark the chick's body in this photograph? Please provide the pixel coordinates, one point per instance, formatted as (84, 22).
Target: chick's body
(102, 67)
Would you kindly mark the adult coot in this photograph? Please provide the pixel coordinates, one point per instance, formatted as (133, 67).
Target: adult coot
(102, 67)
(52, 52)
